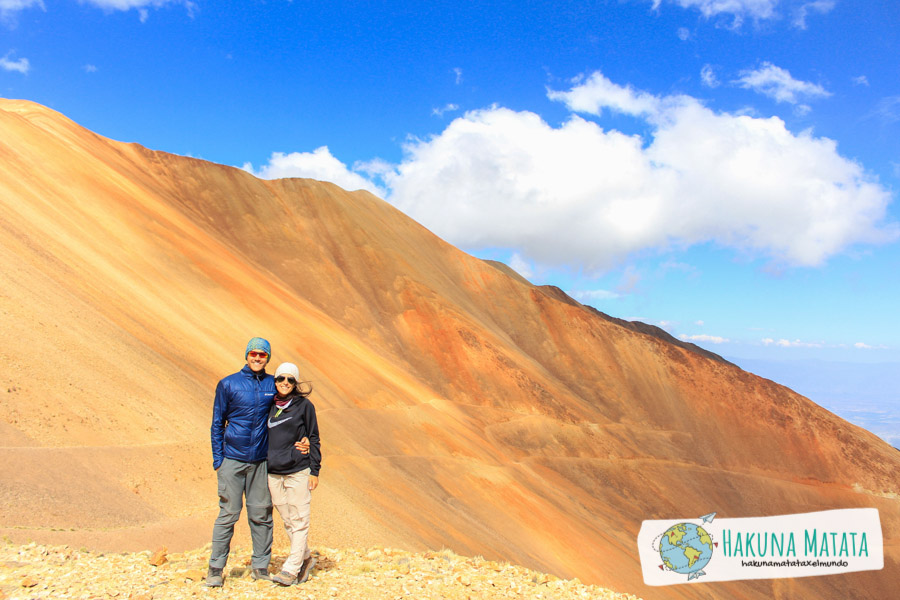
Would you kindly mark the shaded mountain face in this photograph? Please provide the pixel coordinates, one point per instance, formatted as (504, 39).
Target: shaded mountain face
(460, 406)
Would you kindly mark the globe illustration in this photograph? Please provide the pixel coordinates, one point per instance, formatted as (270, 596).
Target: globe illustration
(685, 548)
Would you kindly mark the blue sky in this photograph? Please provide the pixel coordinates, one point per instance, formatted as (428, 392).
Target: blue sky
(726, 169)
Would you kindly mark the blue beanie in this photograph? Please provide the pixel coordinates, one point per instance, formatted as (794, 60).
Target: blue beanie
(260, 345)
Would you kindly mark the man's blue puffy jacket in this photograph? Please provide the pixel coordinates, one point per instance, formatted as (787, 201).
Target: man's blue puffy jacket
(239, 429)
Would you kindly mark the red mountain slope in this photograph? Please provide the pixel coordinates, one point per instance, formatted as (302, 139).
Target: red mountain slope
(461, 406)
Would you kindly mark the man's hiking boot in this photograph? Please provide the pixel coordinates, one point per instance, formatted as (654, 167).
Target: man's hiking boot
(214, 577)
(305, 569)
(261, 573)
(284, 578)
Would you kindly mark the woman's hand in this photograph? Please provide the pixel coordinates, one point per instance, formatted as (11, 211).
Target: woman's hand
(302, 445)
(313, 482)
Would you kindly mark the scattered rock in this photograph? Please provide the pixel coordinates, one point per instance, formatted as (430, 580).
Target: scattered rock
(159, 557)
(348, 574)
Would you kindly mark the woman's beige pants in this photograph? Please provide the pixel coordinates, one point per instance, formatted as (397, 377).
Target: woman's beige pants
(291, 496)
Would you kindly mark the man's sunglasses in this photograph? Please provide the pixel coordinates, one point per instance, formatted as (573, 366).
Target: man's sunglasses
(255, 354)
(290, 380)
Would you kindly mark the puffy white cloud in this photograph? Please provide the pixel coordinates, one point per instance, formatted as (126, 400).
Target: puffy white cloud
(580, 195)
(507, 179)
(598, 93)
(778, 84)
(318, 164)
(21, 65)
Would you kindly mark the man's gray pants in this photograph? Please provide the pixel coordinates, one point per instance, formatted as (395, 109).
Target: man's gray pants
(236, 480)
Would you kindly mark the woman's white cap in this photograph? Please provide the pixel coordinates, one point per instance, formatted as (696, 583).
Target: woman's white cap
(288, 369)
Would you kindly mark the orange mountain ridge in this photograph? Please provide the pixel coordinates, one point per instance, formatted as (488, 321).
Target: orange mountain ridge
(460, 405)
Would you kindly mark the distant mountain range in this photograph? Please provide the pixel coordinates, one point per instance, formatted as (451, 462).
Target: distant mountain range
(461, 407)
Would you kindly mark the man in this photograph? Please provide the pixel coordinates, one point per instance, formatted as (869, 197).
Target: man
(240, 441)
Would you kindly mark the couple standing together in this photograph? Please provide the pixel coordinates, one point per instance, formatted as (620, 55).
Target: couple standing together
(265, 447)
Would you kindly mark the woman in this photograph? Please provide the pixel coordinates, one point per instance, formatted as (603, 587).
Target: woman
(293, 472)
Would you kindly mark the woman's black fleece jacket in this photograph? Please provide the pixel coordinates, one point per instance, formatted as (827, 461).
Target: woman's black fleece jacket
(287, 426)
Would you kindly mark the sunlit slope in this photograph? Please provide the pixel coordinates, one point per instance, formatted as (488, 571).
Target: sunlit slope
(460, 405)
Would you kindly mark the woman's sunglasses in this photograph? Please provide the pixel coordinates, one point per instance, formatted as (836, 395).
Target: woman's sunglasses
(282, 378)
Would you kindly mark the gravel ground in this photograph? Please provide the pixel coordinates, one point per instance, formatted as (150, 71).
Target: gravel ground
(61, 572)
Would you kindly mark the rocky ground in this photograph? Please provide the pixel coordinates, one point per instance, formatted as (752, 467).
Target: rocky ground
(61, 572)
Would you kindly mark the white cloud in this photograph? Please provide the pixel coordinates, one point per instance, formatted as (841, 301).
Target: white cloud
(888, 109)
(90, 68)
(9, 9)
(861, 80)
(16, 5)
(598, 93)
(708, 76)
(864, 346)
(738, 9)
(792, 344)
(142, 6)
(592, 295)
(581, 195)
(10, 64)
(521, 266)
(684, 34)
(439, 112)
(710, 339)
(673, 265)
(698, 323)
(778, 84)
(374, 169)
(318, 164)
(458, 72)
(819, 6)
